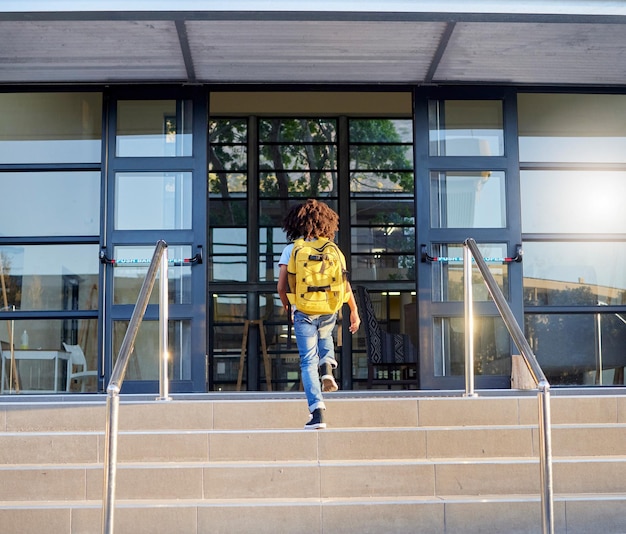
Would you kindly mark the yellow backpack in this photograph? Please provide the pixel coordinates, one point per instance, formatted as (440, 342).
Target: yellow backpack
(317, 277)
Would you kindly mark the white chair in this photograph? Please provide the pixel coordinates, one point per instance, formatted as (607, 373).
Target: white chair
(77, 360)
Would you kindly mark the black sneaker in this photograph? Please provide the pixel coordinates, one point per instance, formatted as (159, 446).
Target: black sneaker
(328, 380)
(317, 420)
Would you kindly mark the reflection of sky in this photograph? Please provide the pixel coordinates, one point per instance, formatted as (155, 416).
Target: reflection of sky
(228, 241)
(471, 142)
(51, 259)
(585, 149)
(51, 151)
(573, 201)
(490, 203)
(157, 145)
(147, 201)
(50, 203)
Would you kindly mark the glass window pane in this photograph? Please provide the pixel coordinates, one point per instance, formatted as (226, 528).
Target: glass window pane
(50, 127)
(229, 312)
(381, 157)
(298, 157)
(396, 313)
(447, 272)
(281, 346)
(228, 254)
(397, 183)
(272, 241)
(50, 203)
(153, 201)
(577, 349)
(50, 277)
(467, 199)
(229, 309)
(574, 273)
(383, 239)
(232, 158)
(132, 264)
(492, 346)
(382, 212)
(272, 212)
(226, 185)
(384, 267)
(298, 184)
(466, 128)
(144, 360)
(228, 153)
(228, 212)
(573, 201)
(572, 127)
(228, 131)
(41, 360)
(289, 130)
(384, 250)
(381, 131)
(154, 128)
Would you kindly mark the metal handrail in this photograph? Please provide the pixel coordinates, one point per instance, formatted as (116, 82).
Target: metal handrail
(543, 386)
(158, 262)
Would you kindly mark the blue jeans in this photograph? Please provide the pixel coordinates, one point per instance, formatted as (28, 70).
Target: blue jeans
(314, 337)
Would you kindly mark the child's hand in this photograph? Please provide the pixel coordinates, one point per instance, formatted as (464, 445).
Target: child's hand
(355, 322)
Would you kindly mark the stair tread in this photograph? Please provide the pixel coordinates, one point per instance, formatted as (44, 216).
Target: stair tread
(303, 501)
(315, 463)
(298, 429)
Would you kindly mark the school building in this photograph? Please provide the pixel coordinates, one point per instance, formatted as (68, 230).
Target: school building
(421, 123)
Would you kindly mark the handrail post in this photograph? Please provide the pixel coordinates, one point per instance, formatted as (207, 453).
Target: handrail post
(469, 323)
(164, 393)
(110, 458)
(545, 442)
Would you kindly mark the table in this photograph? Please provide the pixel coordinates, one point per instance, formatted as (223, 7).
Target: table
(33, 377)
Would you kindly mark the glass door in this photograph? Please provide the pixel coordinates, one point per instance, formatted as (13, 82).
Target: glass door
(468, 188)
(155, 190)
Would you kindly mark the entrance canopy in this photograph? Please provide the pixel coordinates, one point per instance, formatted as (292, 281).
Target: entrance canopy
(567, 42)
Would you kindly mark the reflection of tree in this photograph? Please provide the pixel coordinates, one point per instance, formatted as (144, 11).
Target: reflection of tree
(381, 152)
(298, 159)
(226, 161)
(298, 156)
(11, 285)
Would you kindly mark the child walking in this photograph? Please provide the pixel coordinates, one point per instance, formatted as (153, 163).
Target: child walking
(312, 220)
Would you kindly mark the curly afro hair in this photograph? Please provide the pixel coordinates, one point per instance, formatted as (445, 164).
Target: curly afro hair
(309, 220)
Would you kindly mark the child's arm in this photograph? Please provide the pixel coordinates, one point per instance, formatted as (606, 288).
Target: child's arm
(283, 285)
(355, 320)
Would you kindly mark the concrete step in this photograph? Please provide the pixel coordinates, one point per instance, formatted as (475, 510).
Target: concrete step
(289, 412)
(427, 443)
(573, 514)
(312, 479)
(442, 465)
